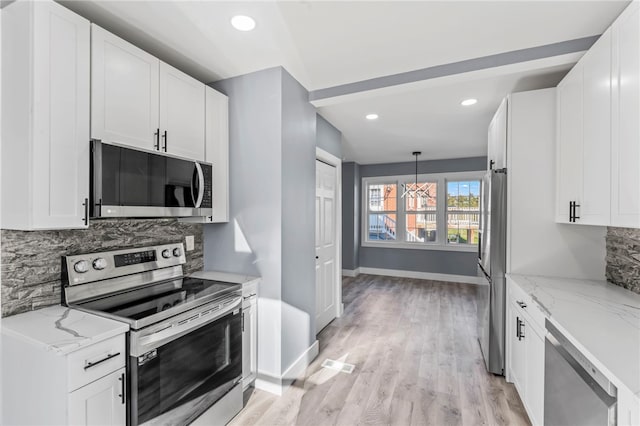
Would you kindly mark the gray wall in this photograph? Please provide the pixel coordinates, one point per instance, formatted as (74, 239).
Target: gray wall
(298, 220)
(272, 192)
(433, 261)
(428, 166)
(623, 257)
(350, 215)
(328, 137)
(31, 259)
(251, 242)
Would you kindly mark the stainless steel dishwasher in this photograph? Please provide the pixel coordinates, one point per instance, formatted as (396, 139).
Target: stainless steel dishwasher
(575, 392)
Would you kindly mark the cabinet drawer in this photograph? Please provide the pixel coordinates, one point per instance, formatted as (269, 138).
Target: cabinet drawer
(526, 306)
(91, 363)
(249, 289)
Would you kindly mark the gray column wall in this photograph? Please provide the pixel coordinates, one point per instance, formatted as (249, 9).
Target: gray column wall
(271, 233)
(433, 261)
(350, 216)
(328, 137)
(251, 243)
(298, 220)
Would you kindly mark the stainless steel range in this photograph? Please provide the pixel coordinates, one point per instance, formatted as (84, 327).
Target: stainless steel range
(185, 343)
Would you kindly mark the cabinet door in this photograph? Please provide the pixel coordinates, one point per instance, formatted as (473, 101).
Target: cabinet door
(100, 403)
(249, 344)
(596, 150)
(569, 142)
(60, 108)
(518, 354)
(625, 148)
(182, 112)
(534, 393)
(497, 150)
(217, 151)
(124, 92)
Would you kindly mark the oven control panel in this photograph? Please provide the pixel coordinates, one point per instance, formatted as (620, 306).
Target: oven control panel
(86, 268)
(126, 259)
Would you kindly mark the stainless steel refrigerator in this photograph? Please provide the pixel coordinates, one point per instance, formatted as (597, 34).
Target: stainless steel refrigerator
(492, 261)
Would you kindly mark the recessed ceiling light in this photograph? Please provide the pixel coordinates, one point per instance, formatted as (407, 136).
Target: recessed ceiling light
(371, 116)
(468, 102)
(243, 23)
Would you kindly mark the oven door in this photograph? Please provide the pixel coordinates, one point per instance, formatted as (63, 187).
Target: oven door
(179, 370)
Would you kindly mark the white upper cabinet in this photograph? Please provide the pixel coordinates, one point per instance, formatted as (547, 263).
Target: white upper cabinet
(625, 146)
(599, 130)
(140, 101)
(45, 116)
(124, 92)
(569, 147)
(584, 139)
(497, 139)
(596, 153)
(182, 114)
(217, 151)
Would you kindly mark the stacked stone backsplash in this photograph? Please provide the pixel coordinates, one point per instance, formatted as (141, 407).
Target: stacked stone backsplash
(31, 260)
(623, 257)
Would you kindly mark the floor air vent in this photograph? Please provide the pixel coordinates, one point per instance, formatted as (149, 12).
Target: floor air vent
(338, 366)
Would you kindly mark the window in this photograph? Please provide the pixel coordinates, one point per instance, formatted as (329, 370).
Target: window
(441, 211)
(463, 211)
(420, 206)
(382, 211)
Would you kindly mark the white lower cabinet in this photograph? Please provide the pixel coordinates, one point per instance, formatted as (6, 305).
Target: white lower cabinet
(102, 402)
(525, 351)
(40, 386)
(249, 334)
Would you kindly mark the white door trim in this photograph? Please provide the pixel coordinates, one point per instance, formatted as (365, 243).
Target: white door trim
(332, 160)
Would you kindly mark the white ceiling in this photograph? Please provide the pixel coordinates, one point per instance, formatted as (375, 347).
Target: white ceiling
(329, 43)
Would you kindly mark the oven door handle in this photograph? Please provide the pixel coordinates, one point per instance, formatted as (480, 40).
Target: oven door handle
(144, 344)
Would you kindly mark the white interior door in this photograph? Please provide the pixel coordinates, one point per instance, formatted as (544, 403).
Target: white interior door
(326, 262)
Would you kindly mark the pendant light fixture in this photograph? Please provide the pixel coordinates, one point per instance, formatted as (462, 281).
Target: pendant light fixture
(418, 191)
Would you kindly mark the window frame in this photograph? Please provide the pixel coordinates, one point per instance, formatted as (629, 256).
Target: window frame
(458, 211)
(441, 180)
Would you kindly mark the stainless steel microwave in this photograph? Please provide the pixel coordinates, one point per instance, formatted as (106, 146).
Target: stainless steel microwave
(127, 182)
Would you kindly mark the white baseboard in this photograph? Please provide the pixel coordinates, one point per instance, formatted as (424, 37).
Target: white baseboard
(269, 384)
(278, 385)
(301, 364)
(351, 272)
(420, 275)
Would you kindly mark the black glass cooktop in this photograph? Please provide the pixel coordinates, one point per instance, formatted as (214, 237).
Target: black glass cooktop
(174, 296)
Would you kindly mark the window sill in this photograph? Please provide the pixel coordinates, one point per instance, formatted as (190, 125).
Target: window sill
(435, 246)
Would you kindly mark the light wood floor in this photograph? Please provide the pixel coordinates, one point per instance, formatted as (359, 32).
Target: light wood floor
(417, 360)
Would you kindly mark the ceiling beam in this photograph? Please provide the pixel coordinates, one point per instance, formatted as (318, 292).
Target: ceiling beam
(453, 68)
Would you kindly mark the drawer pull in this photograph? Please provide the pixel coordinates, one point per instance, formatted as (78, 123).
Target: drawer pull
(122, 396)
(88, 365)
(521, 304)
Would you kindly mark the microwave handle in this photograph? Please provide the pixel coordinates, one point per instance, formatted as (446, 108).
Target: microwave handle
(197, 202)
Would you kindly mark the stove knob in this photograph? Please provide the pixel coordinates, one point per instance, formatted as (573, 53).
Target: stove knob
(166, 253)
(81, 266)
(177, 252)
(99, 263)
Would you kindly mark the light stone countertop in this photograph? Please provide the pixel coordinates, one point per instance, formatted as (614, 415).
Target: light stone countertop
(602, 320)
(225, 276)
(61, 329)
